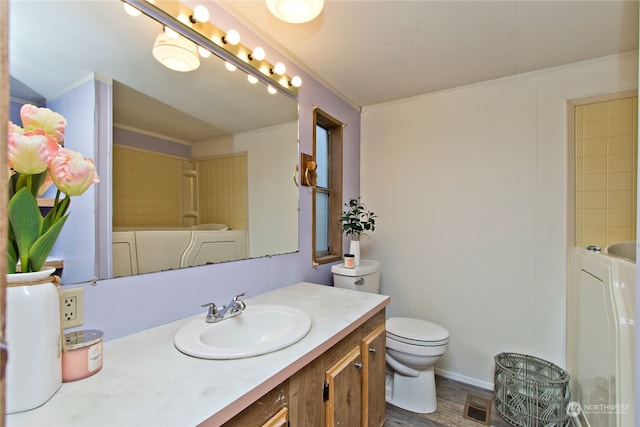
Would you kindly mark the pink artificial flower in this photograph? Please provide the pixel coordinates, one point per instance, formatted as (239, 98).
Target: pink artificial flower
(31, 152)
(14, 128)
(72, 173)
(49, 121)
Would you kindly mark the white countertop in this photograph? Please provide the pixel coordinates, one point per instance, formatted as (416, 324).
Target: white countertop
(146, 381)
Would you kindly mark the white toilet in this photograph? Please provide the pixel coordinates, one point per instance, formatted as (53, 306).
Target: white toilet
(413, 345)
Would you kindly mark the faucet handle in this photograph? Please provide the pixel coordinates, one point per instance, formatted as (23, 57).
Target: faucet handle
(213, 310)
(240, 304)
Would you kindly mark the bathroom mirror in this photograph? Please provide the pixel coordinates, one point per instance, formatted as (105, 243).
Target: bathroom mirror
(191, 118)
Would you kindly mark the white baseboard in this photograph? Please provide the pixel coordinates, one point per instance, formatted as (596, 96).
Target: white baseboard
(464, 379)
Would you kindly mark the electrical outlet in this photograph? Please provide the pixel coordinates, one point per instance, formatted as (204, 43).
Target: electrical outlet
(71, 311)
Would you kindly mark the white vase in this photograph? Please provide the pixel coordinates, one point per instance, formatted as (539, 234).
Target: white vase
(34, 366)
(354, 249)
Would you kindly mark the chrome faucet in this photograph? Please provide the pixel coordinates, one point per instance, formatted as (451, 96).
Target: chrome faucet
(233, 309)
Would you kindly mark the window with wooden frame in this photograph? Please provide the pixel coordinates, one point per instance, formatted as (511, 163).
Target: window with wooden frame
(327, 194)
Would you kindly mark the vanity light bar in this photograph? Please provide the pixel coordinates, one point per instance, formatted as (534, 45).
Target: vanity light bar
(173, 14)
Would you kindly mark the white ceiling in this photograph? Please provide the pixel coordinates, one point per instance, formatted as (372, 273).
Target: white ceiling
(368, 51)
(377, 51)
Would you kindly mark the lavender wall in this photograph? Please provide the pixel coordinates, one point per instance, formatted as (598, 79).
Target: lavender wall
(78, 107)
(123, 306)
(139, 140)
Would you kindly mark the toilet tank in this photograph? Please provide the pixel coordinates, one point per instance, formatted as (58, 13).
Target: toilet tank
(365, 277)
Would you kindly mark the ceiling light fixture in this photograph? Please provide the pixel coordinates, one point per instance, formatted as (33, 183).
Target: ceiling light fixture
(178, 21)
(171, 33)
(200, 14)
(296, 81)
(232, 37)
(258, 54)
(178, 54)
(295, 11)
(204, 53)
(279, 69)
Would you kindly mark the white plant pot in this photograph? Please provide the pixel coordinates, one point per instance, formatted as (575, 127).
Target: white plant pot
(354, 249)
(34, 366)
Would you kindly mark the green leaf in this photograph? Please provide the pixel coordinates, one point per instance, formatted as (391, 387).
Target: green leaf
(25, 219)
(12, 257)
(58, 210)
(41, 247)
(12, 185)
(20, 182)
(37, 181)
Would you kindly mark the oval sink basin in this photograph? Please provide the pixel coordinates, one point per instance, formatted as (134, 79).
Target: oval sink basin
(260, 329)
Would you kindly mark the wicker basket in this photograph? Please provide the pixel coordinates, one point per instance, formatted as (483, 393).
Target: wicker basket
(530, 391)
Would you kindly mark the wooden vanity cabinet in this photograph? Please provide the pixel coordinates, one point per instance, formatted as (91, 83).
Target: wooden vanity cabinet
(269, 411)
(343, 386)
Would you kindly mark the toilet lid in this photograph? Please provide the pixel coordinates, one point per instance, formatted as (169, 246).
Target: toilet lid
(415, 330)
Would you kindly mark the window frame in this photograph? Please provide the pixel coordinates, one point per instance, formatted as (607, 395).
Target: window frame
(335, 131)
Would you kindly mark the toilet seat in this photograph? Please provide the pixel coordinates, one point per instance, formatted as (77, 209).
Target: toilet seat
(416, 332)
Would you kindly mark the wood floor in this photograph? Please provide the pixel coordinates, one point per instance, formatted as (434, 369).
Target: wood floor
(452, 396)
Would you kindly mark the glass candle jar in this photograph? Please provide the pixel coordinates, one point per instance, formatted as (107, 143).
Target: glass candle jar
(83, 355)
(349, 261)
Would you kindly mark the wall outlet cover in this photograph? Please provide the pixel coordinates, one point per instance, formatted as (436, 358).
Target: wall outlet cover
(72, 308)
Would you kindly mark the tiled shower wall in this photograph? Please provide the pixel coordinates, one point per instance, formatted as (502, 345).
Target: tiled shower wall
(222, 183)
(146, 189)
(606, 138)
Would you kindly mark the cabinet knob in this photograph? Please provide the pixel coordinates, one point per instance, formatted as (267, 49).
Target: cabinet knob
(358, 365)
(372, 350)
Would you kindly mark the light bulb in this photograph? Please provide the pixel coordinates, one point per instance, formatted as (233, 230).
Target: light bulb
(252, 79)
(229, 66)
(171, 33)
(184, 19)
(296, 81)
(279, 68)
(131, 10)
(258, 54)
(203, 52)
(201, 13)
(232, 37)
(271, 90)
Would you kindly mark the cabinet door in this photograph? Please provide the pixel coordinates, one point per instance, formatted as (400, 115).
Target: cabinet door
(281, 419)
(305, 395)
(373, 379)
(344, 380)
